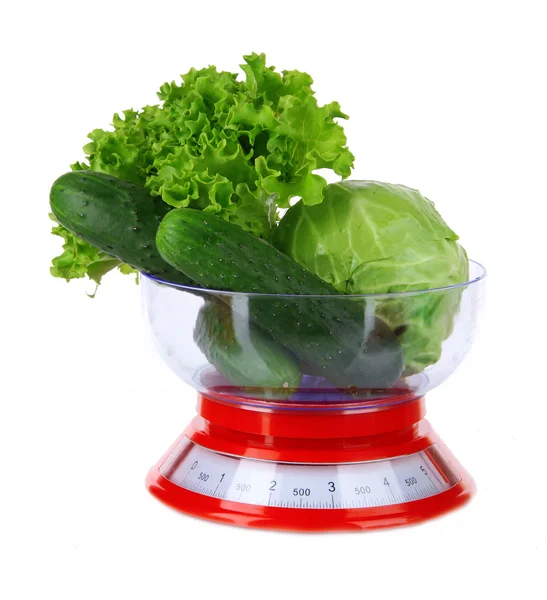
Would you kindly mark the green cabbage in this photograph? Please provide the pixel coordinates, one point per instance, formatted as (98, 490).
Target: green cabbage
(368, 237)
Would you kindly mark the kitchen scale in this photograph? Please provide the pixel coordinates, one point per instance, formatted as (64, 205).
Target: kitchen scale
(320, 460)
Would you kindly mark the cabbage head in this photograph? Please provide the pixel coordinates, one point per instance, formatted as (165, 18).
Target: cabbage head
(368, 237)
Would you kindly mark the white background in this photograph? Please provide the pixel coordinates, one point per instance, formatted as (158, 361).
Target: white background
(446, 97)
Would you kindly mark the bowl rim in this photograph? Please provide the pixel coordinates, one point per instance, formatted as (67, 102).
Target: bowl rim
(386, 295)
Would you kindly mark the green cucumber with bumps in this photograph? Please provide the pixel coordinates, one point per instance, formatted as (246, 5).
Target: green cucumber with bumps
(116, 216)
(244, 354)
(324, 329)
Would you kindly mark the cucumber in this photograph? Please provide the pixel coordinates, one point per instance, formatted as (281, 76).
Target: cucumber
(116, 216)
(327, 331)
(243, 354)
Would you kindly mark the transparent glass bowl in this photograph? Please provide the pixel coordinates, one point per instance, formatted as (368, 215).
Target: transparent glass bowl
(313, 350)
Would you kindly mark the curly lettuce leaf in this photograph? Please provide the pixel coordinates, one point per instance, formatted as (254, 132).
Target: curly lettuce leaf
(237, 149)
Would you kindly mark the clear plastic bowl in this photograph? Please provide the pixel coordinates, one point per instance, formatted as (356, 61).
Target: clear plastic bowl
(314, 350)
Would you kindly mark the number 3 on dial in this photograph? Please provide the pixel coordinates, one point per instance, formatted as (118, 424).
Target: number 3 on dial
(332, 487)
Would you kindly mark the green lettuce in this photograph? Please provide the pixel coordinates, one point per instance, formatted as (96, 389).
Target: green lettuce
(368, 237)
(236, 148)
(227, 146)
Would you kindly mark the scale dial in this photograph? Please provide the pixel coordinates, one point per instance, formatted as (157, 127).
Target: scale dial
(358, 485)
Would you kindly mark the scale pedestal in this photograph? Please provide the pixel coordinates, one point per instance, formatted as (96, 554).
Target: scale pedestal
(310, 467)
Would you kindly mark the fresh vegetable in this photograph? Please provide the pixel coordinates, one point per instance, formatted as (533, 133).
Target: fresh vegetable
(115, 216)
(370, 237)
(332, 337)
(244, 354)
(192, 190)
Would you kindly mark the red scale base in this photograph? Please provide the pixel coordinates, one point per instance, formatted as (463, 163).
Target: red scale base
(341, 434)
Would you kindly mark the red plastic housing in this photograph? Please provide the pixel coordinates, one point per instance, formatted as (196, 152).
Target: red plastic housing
(342, 434)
